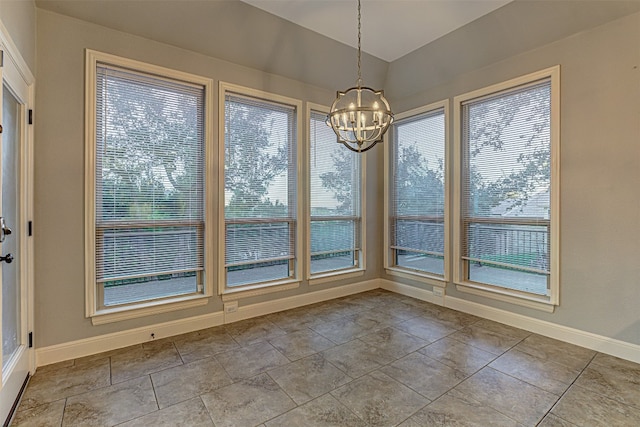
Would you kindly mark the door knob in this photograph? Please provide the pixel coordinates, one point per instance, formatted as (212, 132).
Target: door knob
(8, 258)
(4, 230)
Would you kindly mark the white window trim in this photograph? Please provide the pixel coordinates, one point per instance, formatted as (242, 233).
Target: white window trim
(329, 276)
(512, 296)
(143, 308)
(253, 289)
(423, 277)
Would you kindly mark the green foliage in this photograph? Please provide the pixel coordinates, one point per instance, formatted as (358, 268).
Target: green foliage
(489, 129)
(340, 180)
(151, 158)
(416, 181)
(251, 162)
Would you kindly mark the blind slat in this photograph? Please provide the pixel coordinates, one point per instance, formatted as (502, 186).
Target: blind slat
(260, 188)
(417, 191)
(506, 150)
(334, 178)
(149, 175)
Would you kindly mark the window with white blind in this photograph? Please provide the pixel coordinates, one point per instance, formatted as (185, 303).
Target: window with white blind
(147, 192)
(335, 225)
(260, 188)
(417, 199)
(508, 179)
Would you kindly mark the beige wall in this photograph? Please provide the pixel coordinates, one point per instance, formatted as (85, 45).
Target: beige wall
(59, 167)
(600, 278)
(19, 18)
(600, 168)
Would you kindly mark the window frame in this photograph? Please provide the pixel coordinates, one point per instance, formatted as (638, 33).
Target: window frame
(390, 268)
(261, 288)
(460, 279)
(355, 271)
(93, 290)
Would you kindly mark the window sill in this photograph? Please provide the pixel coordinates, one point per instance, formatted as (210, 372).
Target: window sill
(335, 275)
(513, 297)
(110, 315)
(415, 275)
(231, 294)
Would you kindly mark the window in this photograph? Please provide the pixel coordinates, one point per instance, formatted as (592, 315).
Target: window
(335, 203)
(417, 193)
(260, 188)
(146, 192)
(508, 188)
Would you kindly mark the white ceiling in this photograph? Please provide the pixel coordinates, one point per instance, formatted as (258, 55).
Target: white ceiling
(390, 28)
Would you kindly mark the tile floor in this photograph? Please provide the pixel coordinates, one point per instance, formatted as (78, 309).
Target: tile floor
(370, 359)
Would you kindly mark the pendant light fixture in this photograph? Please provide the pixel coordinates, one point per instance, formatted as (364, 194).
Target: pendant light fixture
(360, 116)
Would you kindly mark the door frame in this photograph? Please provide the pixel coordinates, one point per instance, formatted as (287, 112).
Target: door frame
(19, 73)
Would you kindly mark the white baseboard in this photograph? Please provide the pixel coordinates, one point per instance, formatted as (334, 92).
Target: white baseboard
(579, 337)
(115, 340)
(412, 291)
(88, 346)
(101, 343)
(268, 307)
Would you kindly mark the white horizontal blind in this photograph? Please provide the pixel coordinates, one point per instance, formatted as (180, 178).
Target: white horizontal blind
(506, 187)
(260, 189)
(417, 192)
(149, 178)
(335, 200)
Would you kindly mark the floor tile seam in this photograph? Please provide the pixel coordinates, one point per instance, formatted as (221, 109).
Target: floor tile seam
(551, 361)
(480, 348)
(64, 412)
(472, 397)
(545, 361)
(526, 334)
(533, 385)
(345, 406)
(444, 364)
(337, 367)
(438, 339)
(429, 402)
(304, 403)
(454, 367)
(610, 397)
(556, 415)
(550, 411)
(595, 365)
(233, 381)
(148, 373)
(309, 402)
(82, 392)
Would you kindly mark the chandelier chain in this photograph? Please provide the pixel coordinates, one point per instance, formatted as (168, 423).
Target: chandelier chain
(359, 48)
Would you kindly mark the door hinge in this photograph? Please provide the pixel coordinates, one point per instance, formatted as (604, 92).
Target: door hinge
(30, 228)
(1, 58)
(30, 339)
(30, 117)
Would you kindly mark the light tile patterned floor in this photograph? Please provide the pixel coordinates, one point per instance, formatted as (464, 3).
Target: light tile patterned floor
(371, 359)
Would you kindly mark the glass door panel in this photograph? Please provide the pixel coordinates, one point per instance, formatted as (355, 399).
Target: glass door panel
(11, 301)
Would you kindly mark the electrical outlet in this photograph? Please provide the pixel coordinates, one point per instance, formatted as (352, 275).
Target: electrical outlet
(438, 292)
(231, 307)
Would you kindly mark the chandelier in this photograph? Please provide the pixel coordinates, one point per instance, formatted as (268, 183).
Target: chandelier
(360, 116)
